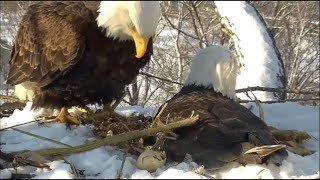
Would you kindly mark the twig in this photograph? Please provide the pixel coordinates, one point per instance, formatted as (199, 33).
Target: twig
(6, 157)
(163, 79)
(73, 169)
(261, 113)
(122, 164)
(118, 101)
(178, 29)
(2, 129)
(112, 140)
(156, 119)
(12, 105)
(199, 21)
(101, 116)
(37, 120)
(41, 137)
(13, 98)
(258, 88)
(255, 88)
(160, 139)
(278, 101)
(22, 176)
(314, 137)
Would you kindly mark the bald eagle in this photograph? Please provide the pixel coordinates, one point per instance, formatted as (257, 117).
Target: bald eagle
(77, 53)
(225, 129)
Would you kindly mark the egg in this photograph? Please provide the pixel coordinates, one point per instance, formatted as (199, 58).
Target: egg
(151, 160)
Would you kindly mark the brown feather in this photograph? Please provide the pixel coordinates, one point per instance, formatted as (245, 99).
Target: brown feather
(224, 127)
(42, 25)
(60, 48)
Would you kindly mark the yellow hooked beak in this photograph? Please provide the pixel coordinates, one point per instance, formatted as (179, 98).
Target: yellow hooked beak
(141, 44)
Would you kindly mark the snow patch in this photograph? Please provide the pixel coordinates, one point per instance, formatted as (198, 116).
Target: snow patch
(105, 162)
(261, 65)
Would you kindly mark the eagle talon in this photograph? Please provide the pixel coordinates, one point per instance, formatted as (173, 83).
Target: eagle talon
(70, 66)
(65, 117)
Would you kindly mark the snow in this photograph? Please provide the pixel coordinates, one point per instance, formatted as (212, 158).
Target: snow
(106, 162)
(10, 92)
(5, 174)
(261, 65)
(136, 110)
(60, 170)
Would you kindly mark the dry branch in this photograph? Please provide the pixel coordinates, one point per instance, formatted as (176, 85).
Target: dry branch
(280, 101)
(178, 29)
(22, 176)
(12, 105)
(73, 169)
(40, 137)
(2, 129)
(13, 98)
(119, 175)
(111, 140)
(261, 112)
(258, 88)
(163, 79)
(255, 88)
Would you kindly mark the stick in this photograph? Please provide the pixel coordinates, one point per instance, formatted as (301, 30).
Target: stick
(157, 118)
(261, 113)
(73, 169)
(163, 79)
(12, 105)
(258, 88)
(41, 137)
(2, 129)
(112, 140)
(124, 157)
(9, 97)
(6, 157)
(22, 176)
(255, 88)
(277, 101)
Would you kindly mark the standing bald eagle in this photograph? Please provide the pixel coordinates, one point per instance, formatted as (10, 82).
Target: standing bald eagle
(78, 53)
(225, 129)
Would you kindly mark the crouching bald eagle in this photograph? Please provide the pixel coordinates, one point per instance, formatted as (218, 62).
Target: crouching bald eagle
(77, 53)
(226, 130)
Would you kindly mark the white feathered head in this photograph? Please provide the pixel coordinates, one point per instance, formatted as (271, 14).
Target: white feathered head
(215, 67)
(135, 20)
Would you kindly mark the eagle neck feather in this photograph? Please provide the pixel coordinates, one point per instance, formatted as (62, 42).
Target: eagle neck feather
(215, 67)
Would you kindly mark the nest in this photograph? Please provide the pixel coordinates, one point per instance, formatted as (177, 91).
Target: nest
(116, 124)
(110, 123)
(105, 124)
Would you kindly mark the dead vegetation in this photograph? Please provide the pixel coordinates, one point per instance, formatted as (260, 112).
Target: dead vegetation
(126, 133)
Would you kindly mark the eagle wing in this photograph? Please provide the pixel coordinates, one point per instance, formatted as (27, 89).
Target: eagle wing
(49, 41)
(220, 115)
(239, 124)
(220, 133)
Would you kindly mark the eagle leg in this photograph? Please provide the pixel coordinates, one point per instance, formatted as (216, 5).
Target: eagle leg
(107, 107)
(65, 117)
(112, 105)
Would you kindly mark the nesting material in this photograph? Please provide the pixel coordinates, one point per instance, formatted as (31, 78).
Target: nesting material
(110, 123)
(106, 123)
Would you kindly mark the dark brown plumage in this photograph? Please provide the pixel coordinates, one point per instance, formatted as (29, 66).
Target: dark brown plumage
(225, 129)
(68, 59)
